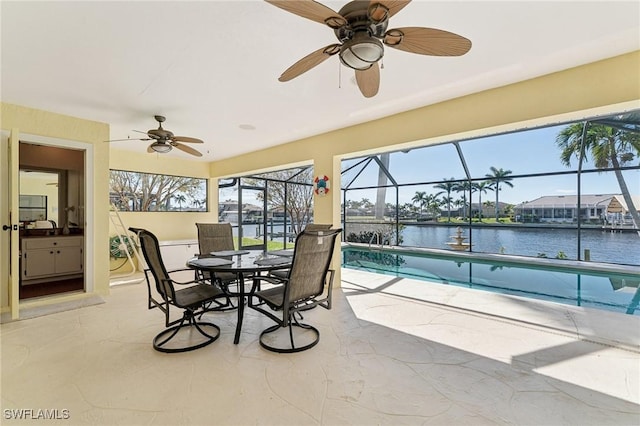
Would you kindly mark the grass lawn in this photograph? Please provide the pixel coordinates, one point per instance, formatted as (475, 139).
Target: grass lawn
(487, 220)
(271, 245)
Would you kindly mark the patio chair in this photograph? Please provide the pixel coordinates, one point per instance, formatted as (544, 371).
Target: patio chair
(179, 335)
(308, 285)
(283, 273)
(217, 237)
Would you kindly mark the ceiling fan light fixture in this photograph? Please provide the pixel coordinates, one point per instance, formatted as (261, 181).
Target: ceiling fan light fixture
(361, 51)
(161, 147)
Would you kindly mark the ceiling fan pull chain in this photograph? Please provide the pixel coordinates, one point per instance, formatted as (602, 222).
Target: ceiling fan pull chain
(381, 63)
(339, 76)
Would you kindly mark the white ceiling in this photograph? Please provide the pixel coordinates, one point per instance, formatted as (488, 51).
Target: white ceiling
(212, 66)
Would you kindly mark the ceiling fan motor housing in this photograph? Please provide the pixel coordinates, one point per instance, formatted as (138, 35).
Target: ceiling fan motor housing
(160, 133)
(358, 19)
(366, 24)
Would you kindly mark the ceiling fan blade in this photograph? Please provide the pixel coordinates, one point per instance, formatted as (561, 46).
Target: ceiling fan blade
(309, 61)
(148, 134)
(187, 149)
(369, 80)
(311, 10)
(427, 41)
(186, 139)
(394, 7)
(128, 139)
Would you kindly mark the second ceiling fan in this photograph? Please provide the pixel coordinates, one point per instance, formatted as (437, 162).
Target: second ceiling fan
(361, 28)
(164, 140)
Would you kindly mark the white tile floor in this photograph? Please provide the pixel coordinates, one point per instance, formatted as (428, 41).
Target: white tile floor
(392, 351)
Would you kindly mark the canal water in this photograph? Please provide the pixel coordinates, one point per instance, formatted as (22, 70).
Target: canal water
(604, 246)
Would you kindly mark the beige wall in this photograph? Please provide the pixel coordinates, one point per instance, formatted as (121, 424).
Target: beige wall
(56, 127)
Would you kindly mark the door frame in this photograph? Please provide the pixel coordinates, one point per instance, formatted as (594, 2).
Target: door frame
(242, 188)
(89, 226)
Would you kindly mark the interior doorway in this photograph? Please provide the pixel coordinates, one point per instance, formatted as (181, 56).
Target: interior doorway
(51, 214)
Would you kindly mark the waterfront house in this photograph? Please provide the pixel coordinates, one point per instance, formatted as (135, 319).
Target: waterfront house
(602, 209)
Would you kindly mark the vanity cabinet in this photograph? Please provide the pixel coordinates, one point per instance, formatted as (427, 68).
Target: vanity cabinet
(51, 258)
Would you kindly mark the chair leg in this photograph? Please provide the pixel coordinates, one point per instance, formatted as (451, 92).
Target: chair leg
(273, 341)
(220, 307)
(187, 321)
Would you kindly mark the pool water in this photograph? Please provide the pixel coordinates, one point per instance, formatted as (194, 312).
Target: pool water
(608, 291)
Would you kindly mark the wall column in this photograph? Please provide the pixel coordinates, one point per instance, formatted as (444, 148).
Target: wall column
(326, 209)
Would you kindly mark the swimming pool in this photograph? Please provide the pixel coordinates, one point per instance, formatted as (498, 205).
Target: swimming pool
(616, 292)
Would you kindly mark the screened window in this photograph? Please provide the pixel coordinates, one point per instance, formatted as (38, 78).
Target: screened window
(147, 192)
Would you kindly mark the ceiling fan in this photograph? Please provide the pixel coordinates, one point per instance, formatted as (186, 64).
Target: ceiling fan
(361, 28)
(164, 140)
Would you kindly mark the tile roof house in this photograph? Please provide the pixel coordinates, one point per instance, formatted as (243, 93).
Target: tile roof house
(602, 208)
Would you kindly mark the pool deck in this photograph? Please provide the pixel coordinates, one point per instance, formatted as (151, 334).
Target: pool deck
(393, 351)
(584, 324)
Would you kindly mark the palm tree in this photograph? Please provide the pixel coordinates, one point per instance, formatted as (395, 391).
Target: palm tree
(420, 199)
(610, 147)
(496, 178)
(447, 186)
(199, 203)
(180, 198)
(432, 204)
(460, 202)
(481, 187)
(463, 187)
(447, 201)
(366, 204)
(381, 192)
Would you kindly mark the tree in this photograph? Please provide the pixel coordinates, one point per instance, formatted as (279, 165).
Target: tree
(180, 198)
(381, 192)
(463, 187)
(447, 186)
(133, 191)
(447, 201)
(460, 202)
(498, 177)
(199, 203)
(481, 187)
(609, 147)
(366, 204)
(420, 199)
(299, 195)
(432, 203)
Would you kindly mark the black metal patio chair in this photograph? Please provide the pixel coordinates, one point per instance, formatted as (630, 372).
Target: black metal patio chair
(284, 273)
(217, 237)
(192, 299)
(307, 285)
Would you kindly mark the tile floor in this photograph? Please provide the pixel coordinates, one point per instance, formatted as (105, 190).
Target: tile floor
(392, 352)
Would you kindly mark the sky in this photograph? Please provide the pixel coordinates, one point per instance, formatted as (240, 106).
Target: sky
(528, 152)
(525, 152)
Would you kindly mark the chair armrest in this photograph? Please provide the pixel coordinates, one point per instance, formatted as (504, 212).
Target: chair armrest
(268, 278)
(194, 281)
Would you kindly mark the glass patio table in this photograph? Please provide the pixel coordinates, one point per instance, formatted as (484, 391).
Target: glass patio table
(243, 263)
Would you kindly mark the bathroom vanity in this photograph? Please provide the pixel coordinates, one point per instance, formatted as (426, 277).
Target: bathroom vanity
(51, 258)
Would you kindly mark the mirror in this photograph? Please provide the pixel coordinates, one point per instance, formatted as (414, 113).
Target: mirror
(34, 185)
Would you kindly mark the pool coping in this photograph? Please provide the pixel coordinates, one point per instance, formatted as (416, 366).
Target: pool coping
(555, 263)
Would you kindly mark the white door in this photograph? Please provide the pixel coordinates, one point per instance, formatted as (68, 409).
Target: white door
(14, 222)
